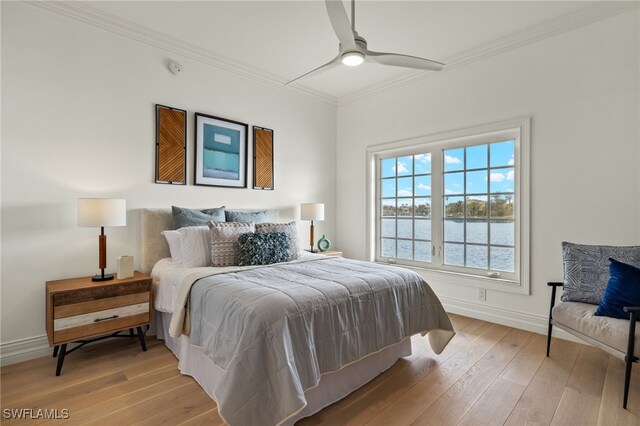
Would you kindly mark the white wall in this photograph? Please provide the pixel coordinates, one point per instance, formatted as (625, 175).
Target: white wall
(78, 121)
(581, 90)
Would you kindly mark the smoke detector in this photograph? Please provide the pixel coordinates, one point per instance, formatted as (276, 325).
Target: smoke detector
(175, 67)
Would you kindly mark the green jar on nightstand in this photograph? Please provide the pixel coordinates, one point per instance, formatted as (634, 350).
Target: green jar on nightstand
(324, 244)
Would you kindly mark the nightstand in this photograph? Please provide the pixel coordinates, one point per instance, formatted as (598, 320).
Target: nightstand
(82, 311)
(330, 253)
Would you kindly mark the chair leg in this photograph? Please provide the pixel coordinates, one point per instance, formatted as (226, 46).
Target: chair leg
(553, 302)
(629, 359)
(627, 379)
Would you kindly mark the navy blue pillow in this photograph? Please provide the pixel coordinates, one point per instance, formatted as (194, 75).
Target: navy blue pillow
(623, 290)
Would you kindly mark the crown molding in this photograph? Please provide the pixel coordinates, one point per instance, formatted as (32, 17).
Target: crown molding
(82, 12)
(562, 24)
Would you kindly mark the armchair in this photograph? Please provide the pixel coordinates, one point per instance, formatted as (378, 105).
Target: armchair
(615, 336)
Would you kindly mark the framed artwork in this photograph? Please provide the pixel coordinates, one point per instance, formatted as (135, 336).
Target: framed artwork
(171, 145)
(262, 158)
(221, 152)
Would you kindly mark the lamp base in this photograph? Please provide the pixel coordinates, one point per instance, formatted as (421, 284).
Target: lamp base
(102, 277)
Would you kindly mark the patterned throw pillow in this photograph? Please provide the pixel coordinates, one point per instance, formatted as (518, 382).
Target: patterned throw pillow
(224, 241)
(246, 217)
(189, 217)
(288, 228)
(263, 249)
(586, 269)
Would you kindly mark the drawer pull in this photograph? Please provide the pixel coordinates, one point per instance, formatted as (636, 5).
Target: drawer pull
(107, 318)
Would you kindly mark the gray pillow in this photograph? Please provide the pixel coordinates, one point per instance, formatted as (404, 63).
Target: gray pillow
(288, 228)
(586, 269)
(245, 217)
(191, 217)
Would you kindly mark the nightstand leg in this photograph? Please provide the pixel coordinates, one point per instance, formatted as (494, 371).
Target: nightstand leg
(63, 351)
(55, 351)
(141, 337)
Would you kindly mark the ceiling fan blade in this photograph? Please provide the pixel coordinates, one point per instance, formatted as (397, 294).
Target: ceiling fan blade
(406, 61)
(340, 23)
(332, 63)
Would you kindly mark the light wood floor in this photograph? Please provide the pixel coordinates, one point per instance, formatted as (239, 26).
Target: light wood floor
(488, 374)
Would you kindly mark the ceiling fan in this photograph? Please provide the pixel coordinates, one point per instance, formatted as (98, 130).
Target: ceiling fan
(353, 51)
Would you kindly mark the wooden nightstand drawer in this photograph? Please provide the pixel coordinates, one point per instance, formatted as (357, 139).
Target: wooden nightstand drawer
(84, 295)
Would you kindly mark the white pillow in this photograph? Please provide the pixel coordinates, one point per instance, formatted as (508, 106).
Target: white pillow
(173, 239)
(195, 245)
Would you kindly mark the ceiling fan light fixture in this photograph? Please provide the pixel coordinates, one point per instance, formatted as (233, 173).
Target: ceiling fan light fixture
(352, 59)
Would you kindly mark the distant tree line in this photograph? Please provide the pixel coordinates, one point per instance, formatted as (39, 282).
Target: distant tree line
(501, 206)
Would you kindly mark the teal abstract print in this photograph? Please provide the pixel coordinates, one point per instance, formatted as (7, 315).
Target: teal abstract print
(221, 152)
(221, 159)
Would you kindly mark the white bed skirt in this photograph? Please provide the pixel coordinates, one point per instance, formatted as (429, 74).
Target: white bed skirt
(332, 387)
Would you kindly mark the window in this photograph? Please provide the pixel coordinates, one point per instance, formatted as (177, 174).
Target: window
(454, 204)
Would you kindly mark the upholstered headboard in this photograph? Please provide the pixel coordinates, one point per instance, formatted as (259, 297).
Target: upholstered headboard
(154, 246)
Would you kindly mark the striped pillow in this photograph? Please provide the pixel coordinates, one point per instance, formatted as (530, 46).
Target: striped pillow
(288, 228)
(224, 241)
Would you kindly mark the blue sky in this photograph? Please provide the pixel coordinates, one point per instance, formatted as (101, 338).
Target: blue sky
(500, 179)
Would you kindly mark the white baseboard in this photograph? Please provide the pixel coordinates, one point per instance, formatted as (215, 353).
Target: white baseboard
(524, 321)
(24, 349)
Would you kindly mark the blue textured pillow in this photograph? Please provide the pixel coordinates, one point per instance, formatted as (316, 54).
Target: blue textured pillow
(263, 249)
(623, 290)
(586, 269)
(190, 217)
(246, 217)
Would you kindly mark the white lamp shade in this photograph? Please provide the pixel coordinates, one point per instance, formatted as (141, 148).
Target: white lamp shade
(98, 212)
(312, 211)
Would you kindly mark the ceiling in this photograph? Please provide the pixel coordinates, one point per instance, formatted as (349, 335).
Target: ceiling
(288, 38)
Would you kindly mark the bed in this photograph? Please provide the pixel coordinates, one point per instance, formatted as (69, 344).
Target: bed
(273, 344)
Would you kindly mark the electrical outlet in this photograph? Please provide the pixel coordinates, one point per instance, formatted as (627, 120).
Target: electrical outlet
(482, 294)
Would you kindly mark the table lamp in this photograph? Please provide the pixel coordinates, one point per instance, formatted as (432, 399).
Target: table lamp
(311, 211)
(94, 212)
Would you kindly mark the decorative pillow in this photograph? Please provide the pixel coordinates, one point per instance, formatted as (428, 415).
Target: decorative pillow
(195, 247)
(173, 239)
(245, 217)
(623, 290)
(263, 248)
(224, 241)
(288, 228)
(586, 269)
(190, 217)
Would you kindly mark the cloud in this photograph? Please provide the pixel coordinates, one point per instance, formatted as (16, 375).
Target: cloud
(512, 161)
(423, 158)
(423, 186)
(510, 175)
(452, 160)
(401, 168)
(497, 177)
(404, 193)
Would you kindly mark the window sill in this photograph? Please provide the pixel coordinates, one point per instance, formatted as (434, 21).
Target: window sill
(436, 276)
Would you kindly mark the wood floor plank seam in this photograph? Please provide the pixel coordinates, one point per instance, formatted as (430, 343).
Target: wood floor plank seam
(489, 374)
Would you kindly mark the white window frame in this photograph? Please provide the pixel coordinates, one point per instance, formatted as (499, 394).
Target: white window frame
(517, 129)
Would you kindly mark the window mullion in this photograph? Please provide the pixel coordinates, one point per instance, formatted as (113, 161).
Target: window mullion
(437, 205)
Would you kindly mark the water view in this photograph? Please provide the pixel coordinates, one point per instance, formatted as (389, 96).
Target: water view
(479, 234)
